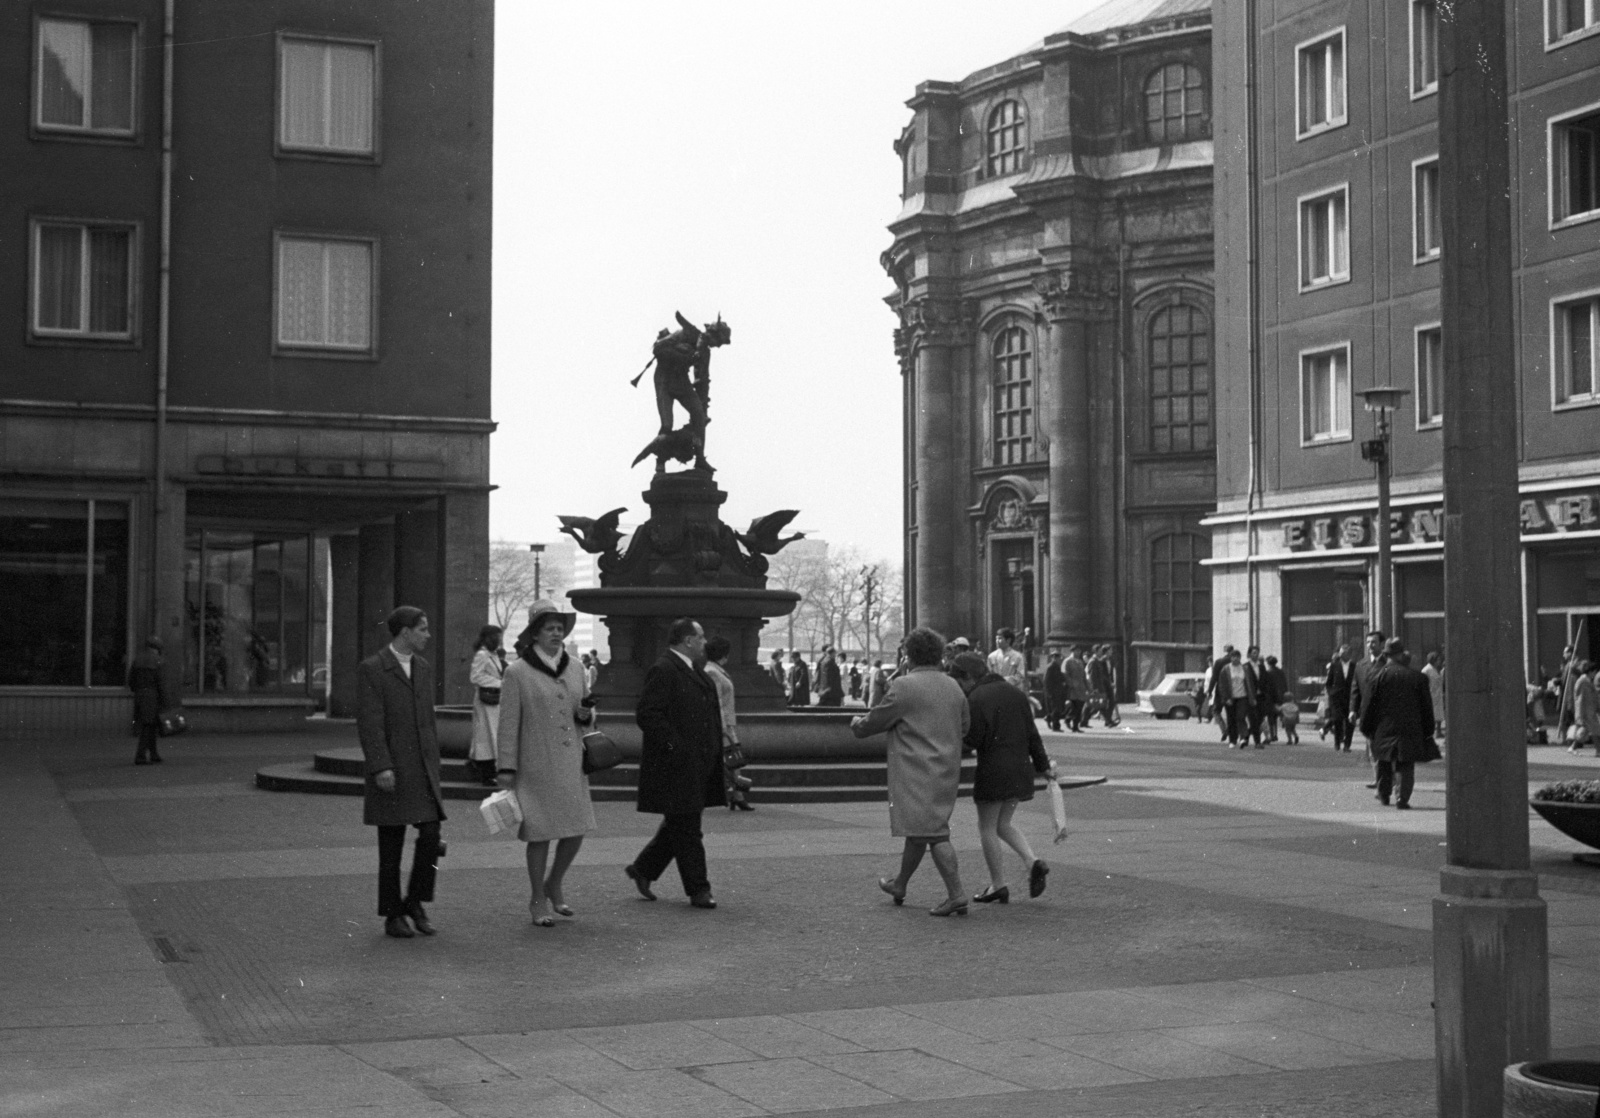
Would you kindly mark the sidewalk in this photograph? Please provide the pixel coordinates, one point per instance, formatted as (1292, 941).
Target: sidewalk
(1224, 933)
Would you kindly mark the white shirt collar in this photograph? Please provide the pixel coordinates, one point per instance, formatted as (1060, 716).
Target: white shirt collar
(682, 657)
(404, 658)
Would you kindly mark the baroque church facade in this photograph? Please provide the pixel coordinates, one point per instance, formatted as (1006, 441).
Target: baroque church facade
(1052, 264)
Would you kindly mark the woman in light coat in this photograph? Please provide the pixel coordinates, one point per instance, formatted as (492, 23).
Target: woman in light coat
(1585, 708)
(717, 651)
(488, 666)
(545, 709)
(925, 714)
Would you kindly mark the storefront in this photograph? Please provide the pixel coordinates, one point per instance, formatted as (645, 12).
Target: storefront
(1297, 581)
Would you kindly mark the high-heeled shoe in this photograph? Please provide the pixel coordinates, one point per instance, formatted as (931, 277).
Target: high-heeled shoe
(542, 921)
(887, 885)
(955, 906)
(991, 895)
(741, 805)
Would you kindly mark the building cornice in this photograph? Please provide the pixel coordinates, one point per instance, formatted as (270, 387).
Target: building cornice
(56, 409)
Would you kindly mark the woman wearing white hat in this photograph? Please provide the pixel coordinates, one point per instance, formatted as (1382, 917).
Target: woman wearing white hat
(544, 703)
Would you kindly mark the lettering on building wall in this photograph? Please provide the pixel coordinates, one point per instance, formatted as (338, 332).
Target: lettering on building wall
(248, 465)
(1546, 514)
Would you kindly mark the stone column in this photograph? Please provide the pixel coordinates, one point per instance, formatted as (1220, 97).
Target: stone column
(345, 619)
(939, 332)
(1074, 304)
(464, 597)
(376, 580)
(416, 583)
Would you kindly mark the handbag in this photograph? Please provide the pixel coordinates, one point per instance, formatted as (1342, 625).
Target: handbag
(600, 752)
(172, 723)
(733, 756)
(489, 696)
(1058, 810)
(501, 811)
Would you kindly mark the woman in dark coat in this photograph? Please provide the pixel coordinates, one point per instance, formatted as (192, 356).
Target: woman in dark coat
(149, 700)
(1003, 735)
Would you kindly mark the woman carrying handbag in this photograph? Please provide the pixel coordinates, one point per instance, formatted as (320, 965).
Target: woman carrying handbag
(544, 710)
(717, 649)
(488, 668)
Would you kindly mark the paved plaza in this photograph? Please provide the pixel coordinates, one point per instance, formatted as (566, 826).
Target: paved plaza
(1225, 933)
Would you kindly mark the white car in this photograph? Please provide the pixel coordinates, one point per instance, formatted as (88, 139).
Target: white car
(1176, 696)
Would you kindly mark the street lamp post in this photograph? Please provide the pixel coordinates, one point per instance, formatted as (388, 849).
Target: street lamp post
(1382, 401)
(538, 554)
(870, 575)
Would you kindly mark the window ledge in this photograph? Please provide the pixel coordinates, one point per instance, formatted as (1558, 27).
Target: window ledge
(1432, 258)
(1425, 92)
(1319, 285)
(1583, 218)
(1576, 403)
(326, 155)
(1326, 440)
(1431, 425)
(316, 353)
(1573, 37)
(81, 341)
(85, 136)
(1319, 129)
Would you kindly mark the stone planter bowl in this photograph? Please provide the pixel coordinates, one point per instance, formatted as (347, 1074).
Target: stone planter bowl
(1551, 1089)
(1580, 822)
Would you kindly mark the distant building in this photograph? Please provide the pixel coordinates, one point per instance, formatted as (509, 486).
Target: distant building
(1328, 244)
(1053, 273)
(246, 391)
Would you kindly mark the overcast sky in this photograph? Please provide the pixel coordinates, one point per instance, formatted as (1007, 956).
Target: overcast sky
(712, 156)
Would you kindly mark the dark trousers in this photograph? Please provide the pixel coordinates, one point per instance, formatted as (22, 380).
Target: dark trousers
(424, 867)
(1075, 717)
(1339, 722)
(1055, 709)
(149, 734)
(1386, 775)
(678, 837)
(1238, 721)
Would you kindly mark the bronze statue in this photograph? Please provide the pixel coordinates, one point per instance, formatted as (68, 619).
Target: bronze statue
(675, 356)
(595, 535)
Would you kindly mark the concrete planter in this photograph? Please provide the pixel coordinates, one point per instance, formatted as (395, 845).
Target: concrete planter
(1552, 1089)
(1580, 822)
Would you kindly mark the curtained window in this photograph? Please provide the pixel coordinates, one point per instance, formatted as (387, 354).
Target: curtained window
(325, 294)
(326, 96)
(85, 76)
(82, 280)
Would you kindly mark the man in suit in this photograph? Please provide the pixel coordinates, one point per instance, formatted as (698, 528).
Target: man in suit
(830, 683)
(1361, 690)
(1214, 694)
(147, 681)
(394, 715)
(1055, 691)
(680, 765)
(1341, 675)
(1265, 689)
(1397, 718)
(1077, 677)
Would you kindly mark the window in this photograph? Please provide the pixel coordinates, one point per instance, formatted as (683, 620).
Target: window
(1008, 139)
(1427, 234)
(1175, 104)
(85, 77)
(1424, 47)
(325, 294)
(1322, 610)
(64, 589)
(1571, 18)
(1430, 358)
(1320, 89)
(1180, 381)
(1012, 353)
(82, 280)
(1575, 167)
(1324, 238)
(255, 610)
(325, 99)
(1180, 589)
(1325, 395)
(1575, 330)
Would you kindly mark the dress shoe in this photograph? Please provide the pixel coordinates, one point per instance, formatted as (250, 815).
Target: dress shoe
(1036, 875)
(1384, 800)
(991, 895)
(1403, 806)
(155, 758)
(956, 906)
(639, 882)
(702, 899)
(141, 760)
(419, 918)
(397, 927)
(887, 885)
(741, 805)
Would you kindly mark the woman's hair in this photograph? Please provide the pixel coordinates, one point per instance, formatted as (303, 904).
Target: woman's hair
(924, 647)
(403, 618)
(488, 638)
(718, 647)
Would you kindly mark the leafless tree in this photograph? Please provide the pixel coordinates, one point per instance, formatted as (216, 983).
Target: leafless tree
(512, 587)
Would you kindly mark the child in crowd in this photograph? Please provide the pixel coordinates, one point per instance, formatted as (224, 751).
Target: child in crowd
(1289, 711)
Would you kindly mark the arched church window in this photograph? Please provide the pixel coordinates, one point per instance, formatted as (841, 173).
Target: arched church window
(1008, 139)
(1011, 353)
(1180, 380)
(1180, 589)
(1175, 104)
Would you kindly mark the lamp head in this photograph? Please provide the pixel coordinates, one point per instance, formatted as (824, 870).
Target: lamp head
(1384, 398)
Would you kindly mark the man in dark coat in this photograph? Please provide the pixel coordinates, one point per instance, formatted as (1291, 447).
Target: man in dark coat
(394, 715)
(799, 681)
(680, 765)
(1341, 675)
(1236, 696)
(1361, 690)
(830, 685)
(145, 680)
(1267, 698)
(1278, 680)
(1218, 703)
(1077, 677)
(1055, 691)
(1397, 715)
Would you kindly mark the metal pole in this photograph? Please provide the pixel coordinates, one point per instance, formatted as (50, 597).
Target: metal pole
(1385, 587)
(1490, 966)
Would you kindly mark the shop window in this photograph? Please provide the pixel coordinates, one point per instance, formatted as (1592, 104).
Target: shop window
(1572, 18)
(85, 73)
(326, 294)
(1325, 395)
(1427, 232)
(1180, 381)
(1575, 167)
(1011, 354)
(1566, 593)
(1175, 104)
(1430, 358)
(1180, 589)
(1424, 47)
(1420, 590)
(252, 607)
(1008, 139)
(1325, 238)
(83, 280)
(1320, 88)
(63, 593)
(1575, 341)
(326, 96)
(1322, 610)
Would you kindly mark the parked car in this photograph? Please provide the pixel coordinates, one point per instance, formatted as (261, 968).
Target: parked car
(1178, 695)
